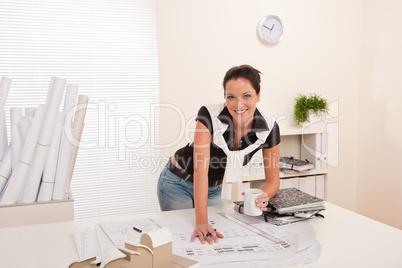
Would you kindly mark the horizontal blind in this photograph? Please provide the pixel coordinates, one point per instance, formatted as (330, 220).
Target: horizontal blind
(109, 49)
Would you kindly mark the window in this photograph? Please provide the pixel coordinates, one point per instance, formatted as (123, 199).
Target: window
(109, 49)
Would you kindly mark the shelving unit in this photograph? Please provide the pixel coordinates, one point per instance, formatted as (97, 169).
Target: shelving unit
(37, 213)
(298, 142)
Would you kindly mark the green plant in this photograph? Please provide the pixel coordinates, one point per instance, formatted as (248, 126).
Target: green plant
(304, 104)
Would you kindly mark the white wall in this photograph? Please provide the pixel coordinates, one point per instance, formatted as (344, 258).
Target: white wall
(198, 41)
(379, 184)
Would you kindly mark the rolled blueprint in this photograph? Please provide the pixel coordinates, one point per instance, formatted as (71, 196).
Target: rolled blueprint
(69, 104)
(49, 171)
(66, 152)
(63, 164)
(5, 169)
(25, 124)
(30, 112)
(5, 84)
(77, 132)
(65, 146)
(3, 134)
(49, 92)
(15, 118)
(16, 182)
(38, 162)
(69, 107)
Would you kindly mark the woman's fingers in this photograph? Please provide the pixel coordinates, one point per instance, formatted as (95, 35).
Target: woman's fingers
(215, 235)
(198, 234)
(219, 235)
(207, 238)
(262, 201)
(193, 237)
(202, 237)
(206, 233)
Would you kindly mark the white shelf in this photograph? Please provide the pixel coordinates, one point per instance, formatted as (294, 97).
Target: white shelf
(36, 213)
(298, 130)
(307, 173)
(287, 175)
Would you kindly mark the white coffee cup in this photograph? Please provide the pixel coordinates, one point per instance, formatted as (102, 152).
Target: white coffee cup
(250, 207)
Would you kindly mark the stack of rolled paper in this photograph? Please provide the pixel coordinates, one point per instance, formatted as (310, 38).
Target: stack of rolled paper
(38, 164)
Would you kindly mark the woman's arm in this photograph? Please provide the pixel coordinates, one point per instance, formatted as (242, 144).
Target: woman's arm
(272, 181)
(202, 144)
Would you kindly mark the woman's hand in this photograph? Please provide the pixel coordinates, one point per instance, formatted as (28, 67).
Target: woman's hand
(205, 232)
(262, 201)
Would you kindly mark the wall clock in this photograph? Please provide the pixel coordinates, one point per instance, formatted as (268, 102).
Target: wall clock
(270, 30)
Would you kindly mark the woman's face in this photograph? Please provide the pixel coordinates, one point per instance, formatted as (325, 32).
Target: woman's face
(241, 101)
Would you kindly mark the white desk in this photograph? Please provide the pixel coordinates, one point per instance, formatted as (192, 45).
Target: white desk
(348, 240)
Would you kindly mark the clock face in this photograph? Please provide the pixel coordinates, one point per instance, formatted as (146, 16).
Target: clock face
(270, 30)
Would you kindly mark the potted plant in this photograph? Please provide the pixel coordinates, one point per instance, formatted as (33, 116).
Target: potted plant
(305, 106)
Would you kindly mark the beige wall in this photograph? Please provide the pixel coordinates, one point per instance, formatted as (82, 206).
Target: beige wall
(320, 52)
(379, 191)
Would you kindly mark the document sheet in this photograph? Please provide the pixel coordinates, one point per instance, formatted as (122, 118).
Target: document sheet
(240, 243)
(118, 232)
(292, 244)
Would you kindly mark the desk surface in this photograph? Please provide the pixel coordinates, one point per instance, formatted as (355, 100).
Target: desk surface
(348, 240)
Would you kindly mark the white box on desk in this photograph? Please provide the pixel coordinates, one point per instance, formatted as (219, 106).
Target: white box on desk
(36, 213)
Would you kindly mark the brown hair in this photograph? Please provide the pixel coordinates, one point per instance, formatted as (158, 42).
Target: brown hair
(244, 71)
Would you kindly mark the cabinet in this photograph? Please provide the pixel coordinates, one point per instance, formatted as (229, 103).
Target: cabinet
(308, 142)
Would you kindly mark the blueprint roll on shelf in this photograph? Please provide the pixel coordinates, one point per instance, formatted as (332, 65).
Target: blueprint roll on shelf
(5, 85)
(16, 148)
(68, 151)
(56, 150)
(5, 169)
(11, 193)
(78, 128)
(49, 171)
(42, 149)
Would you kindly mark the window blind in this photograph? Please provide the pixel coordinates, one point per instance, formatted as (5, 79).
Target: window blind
(109, 49)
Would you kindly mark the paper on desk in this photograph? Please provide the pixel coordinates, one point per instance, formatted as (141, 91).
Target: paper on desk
(104, 242)
(118, 232)
(239, 244)
(305, 233)
(87, 243)
(79, 237)
(308, 249)
(93, 242)
(92, 247)
(308, 255)
(304, 230)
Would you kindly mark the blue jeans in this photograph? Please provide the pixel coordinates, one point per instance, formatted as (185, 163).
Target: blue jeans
(176, 193)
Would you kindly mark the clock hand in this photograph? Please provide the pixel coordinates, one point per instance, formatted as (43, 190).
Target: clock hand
(270, 29)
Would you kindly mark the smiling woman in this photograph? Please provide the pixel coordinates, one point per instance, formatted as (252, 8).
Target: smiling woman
(227, 136)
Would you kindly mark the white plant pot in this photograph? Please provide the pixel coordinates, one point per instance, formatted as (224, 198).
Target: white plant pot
(313, 118)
